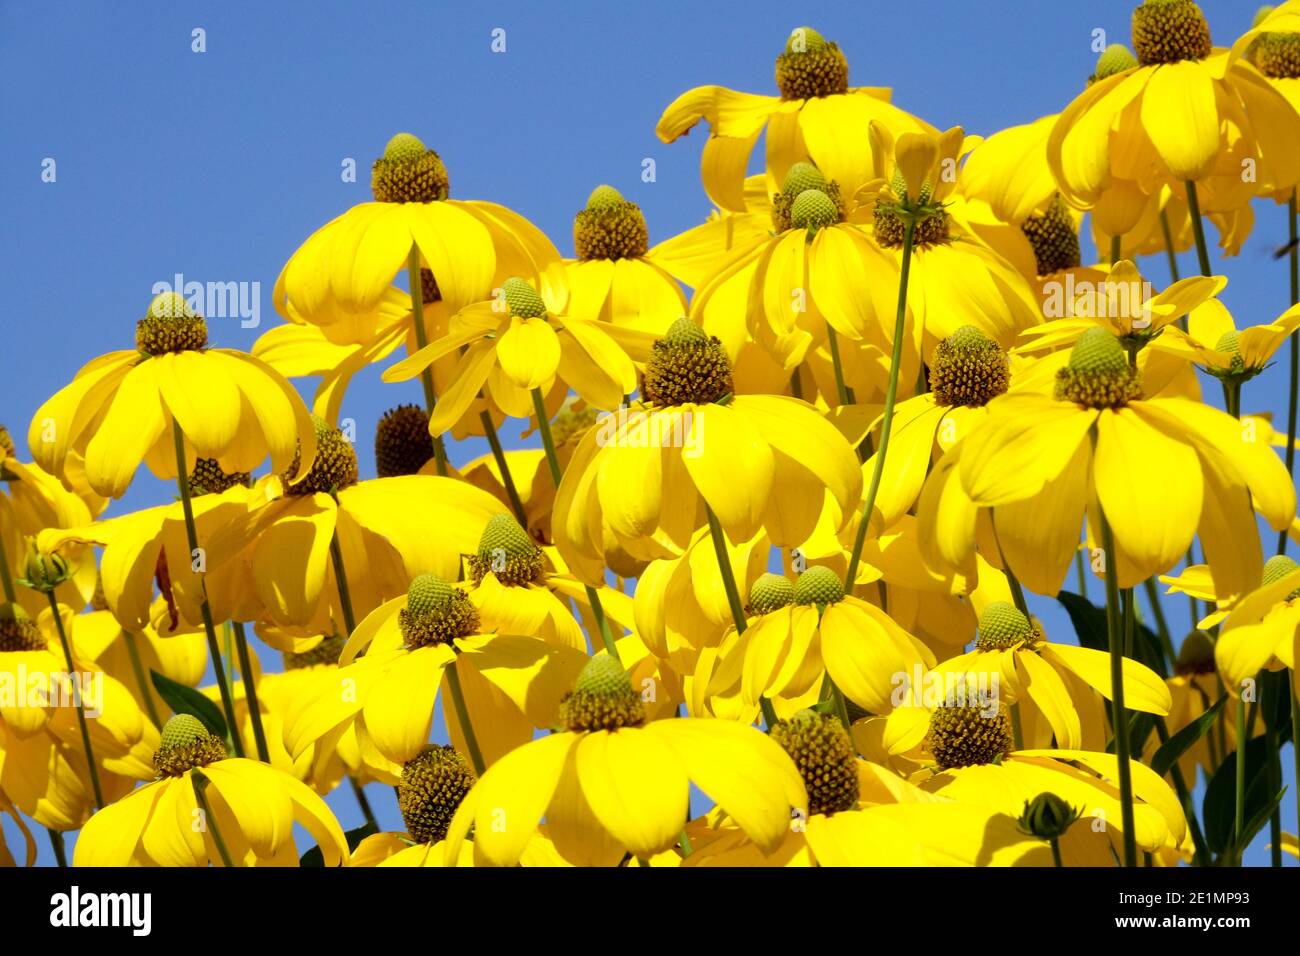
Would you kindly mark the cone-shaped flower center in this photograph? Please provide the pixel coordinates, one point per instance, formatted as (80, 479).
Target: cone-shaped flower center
(506, 550)
(435, 613)
(812, 209)
(822, 750)
(811, 66)
(402, 442)
(335, 465)
(523, 300)
(1098, 374)
(1196, 656)
(1278, 567)
(570, 425)
(1277, 55)
(610, 227)
(968, 731)
(1002, 626)
(770, 592)
(408, 172)
(1116, 58)
(1054, 238)
(818, 586)
(207, 478)
(687, 366)
(602, 698)
(18, 632)
(890, 223)
(799, 179)
(326, 652)
(969, 369)
(1230, 344)
(1166, 31)
(186, 744)
(1047, 816)
(170, 325)
(433, 784)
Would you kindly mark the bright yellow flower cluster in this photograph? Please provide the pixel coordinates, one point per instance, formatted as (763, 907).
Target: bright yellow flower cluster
(756, 593)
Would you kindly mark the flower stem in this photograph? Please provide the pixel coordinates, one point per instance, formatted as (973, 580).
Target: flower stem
(1239, 811)
(1170, 252)
(363, 802)
(553, 462)
(891, 396)
(60, 849)
(1081, 570)
(421, 340)
(507, 479)
(192, 536)
(200, 784)
(341, 579)
(1115, 247)
(462, 717)
(1198, 228)
(1162, 626)
(74, 679)
(1056, 852)
(250, 691)
(1202, 854)
(842, 391)
(1295, 354)
(1119, 716)
(137, 668)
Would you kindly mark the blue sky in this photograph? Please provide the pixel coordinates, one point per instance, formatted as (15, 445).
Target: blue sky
(217, 165)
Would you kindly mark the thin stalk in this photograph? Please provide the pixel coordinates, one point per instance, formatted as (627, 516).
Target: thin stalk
(891, 396)
(76, 701)
(250, 692)
(363, 802)
(1114, 249)
(1295, 353)
(341, 579)
(1198, 229)
(1056, 852)
(553, 462)
(1202, 853)
(462, 716)
(507, 479)
(209, 629)
(60, 849)
(1275, 784)
(1119, 716)
(1239, 807)
(841, 390)
(1170, 252)
(1081, 570)
(200, 784)
(1162, 626)
(421, 340)
(137, 668)
(1017, 734)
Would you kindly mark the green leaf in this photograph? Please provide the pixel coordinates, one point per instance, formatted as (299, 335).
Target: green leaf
(1177, 745)
(1275, 699)
(1218, 807)
(315, 858)
(1256, 822)
(187, 700)
(1090, 626)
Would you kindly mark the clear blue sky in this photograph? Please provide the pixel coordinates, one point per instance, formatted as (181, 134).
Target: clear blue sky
(217, 165)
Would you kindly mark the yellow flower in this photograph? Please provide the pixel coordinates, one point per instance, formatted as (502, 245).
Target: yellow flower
(1270, 45)
(809, 629)
(512, 348)
(1261, 630)
(754, 460)
(1184, 112)
(1233, 354)
(253, 809)
(347, 266)
(615, 278)
(120, 408)
(612, 782)
(1040, 463)
(817, 115)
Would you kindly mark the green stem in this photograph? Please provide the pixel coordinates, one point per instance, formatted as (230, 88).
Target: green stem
(841, 390)
(205, 609)
(553, 462)
(421, 340)
(1170, 252)
(1119, 716)
(1202, 854)
(250, 692)
(200, 783)
(341, 579)
(507, 479)
(1198, 229)
(724, 568)
(1295, 354)
(1275, 784)
(1162, 626)
(137, 668)
(1115, 248)
(1081, 570)
(891, 396)
(363, 802)
(60, 849)
(1056, 852)
(462, 716)
(1239, 807)
(1017, 734)
(75, 679)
